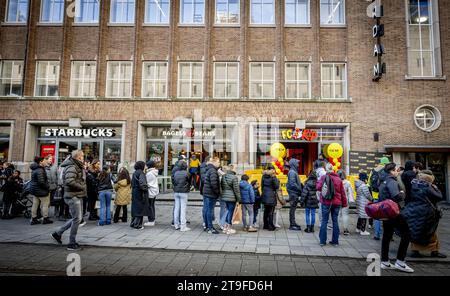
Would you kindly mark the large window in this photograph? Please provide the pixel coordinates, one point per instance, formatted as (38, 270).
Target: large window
(122, 11)
(423, 39)
(298, 81)
(11, 75)
(226, 80)
(118, 83)
(17, 11)
(157, 11)
(262, 12)
(47, 79)
(5, 137)
(82, 79)
(190, 80)
(192, 12)
(332, 12)
(334, 81)
(297, 12)
(227, 11)
(154, 80)
(52, 11)
(262, 80)
(87, 11)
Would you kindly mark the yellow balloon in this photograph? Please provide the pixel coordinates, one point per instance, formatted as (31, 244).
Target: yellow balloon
(338, 164)
(277, 150)
(335, 150)
(335, 168)
(325, 150)
(281, 160)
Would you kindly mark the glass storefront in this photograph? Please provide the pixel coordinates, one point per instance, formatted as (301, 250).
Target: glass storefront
(5, 135)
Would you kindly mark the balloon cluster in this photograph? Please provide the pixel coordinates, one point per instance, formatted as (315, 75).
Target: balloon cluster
(278, 153)
(334, 152)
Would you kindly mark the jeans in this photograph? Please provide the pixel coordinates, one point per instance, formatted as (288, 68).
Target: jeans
(247, 208)
(43, 203)
(293, 201)
(389, 227)
(223, 213)
(75, 210)
(209, 204)
(326, 211)
(256, 208)
(310, 214)
(105, 207)
(124, 213)
(377, 228)
(179, 215)
(151, 207)
(268, 216)
(230, 211)
(344, 214)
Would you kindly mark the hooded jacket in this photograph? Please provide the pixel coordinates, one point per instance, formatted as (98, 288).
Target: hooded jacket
(74, 179)
(339, 198)
(123, 193)
(152, 181)
(211, 187)
(247, 192)
(139, 192)
(269, 185)
(39, 186)
(105, 184)
(294, 186)
(363, 197)
(390, 189)
(92, 184)
(181, 179)
(309, 192)
(407, 177)
(230, 188)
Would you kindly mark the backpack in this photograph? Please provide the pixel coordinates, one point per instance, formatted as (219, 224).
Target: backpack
(328, 188)
(384, 210)
(375, 181)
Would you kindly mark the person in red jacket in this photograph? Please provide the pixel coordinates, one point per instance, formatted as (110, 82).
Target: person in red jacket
(331, 206)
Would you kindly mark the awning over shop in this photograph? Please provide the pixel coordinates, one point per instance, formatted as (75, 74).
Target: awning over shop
(412, 148)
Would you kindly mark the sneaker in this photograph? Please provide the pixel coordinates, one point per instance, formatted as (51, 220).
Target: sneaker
(293, 227)
(231, 231)
(177, 228)
(34, 221)
(212, 231)
(322, 245)
(376, 238)
(47, 221)
(387, 265)
(403, 267)
(358, 230)
(436, 254)
(148, 224)
(73, 247)
(346, 232)
(184, 229)
(334, 244)
(277, 226)
(140, 228)
(57, 238)
(252, 229)
(369, 226)
(365, 233)
(82, 223)
(245, 228)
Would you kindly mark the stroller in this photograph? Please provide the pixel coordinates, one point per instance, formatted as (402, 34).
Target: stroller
(22, 205)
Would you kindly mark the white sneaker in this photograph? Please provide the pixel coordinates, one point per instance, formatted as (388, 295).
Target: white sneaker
(148, 224)
(277, 226)
(364, 233)
(387, 265)
(82, 223)
(230, 231)
(403, 267)
(358, 230)
(184, 229)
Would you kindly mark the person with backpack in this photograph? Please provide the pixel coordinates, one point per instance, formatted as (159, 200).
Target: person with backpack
(40, 189)
(123, 195)
(390, 189)
(332, 198)
(211, 192)
(247, 201)
(309, 200)
(350, 197)
(363, 197)
(105, 189)
(294, 188)
(181, 189)
(153, 191)
(374, 184)
(270, 186)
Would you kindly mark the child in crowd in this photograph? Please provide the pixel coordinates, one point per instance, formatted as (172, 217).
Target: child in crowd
(247, 201)
(309, 200)
(363, 197)
(257, 204)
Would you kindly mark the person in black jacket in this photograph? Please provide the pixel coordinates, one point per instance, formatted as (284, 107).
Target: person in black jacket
(211, 192)
(11, 190)
(294, 188)
(92, 189)
(270, 185)
(181, 188)
(408, 175)
(105, 189)
(309, 200)
(40, 190)
(390, 189)
(139, 195)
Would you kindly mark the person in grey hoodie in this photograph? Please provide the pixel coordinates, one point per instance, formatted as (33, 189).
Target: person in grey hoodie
(153, 190)
(294, 188)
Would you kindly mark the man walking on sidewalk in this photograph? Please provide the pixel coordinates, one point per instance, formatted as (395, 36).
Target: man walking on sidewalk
(74, 180)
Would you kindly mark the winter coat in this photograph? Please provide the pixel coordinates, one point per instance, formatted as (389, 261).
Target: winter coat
(270, 185)
(39, 186)
(12, 188)
(139, 193)
(419, 212)
(294, 186)
(348, 191)
(177, 167)
(74, 179)
(211, 188)
(123, 193)
(390, 189)
(92, 184)
(247, 193)
(407, 177)
(309, 193)
(105, 184)
(230, 188)
(182, 179)
(52, 176)
(152, 181)
(339, 199)
(363, 197)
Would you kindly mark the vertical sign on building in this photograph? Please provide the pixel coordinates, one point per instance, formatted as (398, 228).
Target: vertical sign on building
(375, 11)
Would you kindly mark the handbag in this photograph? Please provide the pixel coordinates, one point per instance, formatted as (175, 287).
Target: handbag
(279, 196)
(237, 214)
(384, 210)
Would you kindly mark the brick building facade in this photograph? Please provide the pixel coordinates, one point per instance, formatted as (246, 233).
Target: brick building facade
(371, 119)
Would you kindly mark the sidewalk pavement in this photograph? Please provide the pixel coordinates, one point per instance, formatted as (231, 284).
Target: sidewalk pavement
(163, 236)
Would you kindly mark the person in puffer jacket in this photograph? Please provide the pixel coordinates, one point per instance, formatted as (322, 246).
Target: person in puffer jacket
(247, 201)
(123, 195)
(231, 195)
(181, 188)
(309, 200)
(294, 188)
(153, 191)
(40, 189)
(269, 187)
(257, 205)
(363, 197)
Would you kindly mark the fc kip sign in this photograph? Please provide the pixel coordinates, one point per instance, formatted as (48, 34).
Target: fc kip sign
(375, 11)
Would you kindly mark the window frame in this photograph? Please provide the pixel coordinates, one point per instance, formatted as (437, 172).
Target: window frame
(333, 81)
(146, 23)
(154, 80)
(193, 24)
(75, 22)
(334, 25)
(437, 117)
(262, 81)
(16, 22)
(10, 78)
(121, 23)
(227, 24)
(308, 24)
(251, 24)
(83, 80)
(297, 81)
(119, 80)
(190, 79)
(226, 80)
(51, 22)
(46, 78)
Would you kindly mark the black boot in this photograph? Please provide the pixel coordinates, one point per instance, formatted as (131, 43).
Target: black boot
(34, 221)
(311, 228)
(47, 221)
(307, 229)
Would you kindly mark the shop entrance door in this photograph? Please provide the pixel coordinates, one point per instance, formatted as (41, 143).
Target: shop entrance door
(437, 163)
(306, 153)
